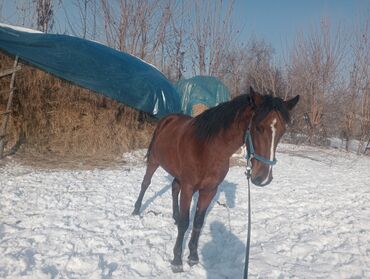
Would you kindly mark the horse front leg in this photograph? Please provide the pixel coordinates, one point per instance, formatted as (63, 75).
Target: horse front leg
(175, 200)
(205, 198)
(182, 226)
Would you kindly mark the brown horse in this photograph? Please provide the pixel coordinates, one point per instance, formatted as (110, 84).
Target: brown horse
(196, 152)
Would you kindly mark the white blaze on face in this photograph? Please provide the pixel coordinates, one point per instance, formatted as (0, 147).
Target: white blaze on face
(273, 129)
(272, 148)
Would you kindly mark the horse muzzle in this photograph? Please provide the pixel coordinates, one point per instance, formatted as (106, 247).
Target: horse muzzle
(260, 181)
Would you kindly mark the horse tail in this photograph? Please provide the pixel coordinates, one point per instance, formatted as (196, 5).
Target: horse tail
(163, 122)
(146, 157)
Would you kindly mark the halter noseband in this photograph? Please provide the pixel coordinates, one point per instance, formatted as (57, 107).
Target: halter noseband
(250, 149)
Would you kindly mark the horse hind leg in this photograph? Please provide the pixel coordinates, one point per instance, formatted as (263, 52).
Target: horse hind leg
(175, 200)
(150, 169)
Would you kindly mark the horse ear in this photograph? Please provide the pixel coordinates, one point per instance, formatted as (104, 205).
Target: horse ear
(256, 98)
(290, 104)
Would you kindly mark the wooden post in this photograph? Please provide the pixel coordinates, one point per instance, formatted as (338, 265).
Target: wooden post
(9, 71)
(367, 148)
(8, 107)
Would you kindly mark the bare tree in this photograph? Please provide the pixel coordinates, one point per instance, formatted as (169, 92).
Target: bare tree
(253, 66)
(45, 15)
(212, 36)
(1, 8)
(174, 45)
(25, 12)
(138, 27)
(86, 24)
(235, 71)
(314, 71)
(360, 80)
(262, 74)
(83, 9)
(354, 94)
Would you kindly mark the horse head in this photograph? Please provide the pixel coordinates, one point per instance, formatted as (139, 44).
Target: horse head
(268, 125)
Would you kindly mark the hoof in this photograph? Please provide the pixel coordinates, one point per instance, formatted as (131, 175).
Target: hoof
(192, 262)
(136, 212)
(177, 268)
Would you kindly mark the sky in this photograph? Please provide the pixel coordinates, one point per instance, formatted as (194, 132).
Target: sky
(278, 22)
(275, 21)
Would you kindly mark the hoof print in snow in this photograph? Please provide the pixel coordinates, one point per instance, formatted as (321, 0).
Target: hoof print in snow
(153, 212)
(50, 269)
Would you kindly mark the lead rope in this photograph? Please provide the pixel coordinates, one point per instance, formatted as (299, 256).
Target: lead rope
(246, 263)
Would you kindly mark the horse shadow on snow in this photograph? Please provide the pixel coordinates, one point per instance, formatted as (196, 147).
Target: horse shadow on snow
(227, 188)
(223, 256)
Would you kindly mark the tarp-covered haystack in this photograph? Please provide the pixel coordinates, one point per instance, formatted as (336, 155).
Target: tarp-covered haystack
(201, 92)
(89, 64)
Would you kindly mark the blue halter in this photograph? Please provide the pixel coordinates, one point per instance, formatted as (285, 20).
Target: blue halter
(252, 154)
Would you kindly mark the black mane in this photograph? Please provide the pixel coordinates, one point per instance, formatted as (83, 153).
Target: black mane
(212, 121)
(209, 123)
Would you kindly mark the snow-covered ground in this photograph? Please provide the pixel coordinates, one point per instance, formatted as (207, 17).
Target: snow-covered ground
(312, 221)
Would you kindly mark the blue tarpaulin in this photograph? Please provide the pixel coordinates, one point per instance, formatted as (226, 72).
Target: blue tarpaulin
(89, 64)
(205, 90)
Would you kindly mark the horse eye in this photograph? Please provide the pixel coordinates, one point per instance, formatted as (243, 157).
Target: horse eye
(260, 129)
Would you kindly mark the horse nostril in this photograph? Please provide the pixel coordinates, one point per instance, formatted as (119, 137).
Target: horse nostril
(257, 180)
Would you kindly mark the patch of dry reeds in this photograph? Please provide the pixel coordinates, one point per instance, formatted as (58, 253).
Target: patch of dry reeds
(60, 118)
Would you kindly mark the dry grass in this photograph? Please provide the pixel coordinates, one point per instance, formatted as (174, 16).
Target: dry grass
(64, 120)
